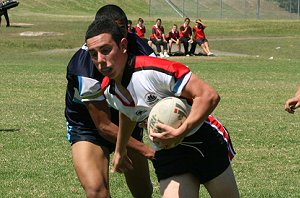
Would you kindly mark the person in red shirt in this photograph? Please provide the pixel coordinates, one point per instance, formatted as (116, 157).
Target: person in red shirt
(158, 38)
(200, 39)
(140, 30)
(173, 37)
(185, 35)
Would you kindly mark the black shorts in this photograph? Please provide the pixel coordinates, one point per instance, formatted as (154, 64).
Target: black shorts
(200, 41)
(204, 154)
(76, 134)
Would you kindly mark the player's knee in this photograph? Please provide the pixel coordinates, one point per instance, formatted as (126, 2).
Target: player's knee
(96, 191)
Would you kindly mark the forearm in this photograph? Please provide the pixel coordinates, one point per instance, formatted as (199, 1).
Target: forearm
(202, 107)
(100, 114)
(297, 94)
(126, 126)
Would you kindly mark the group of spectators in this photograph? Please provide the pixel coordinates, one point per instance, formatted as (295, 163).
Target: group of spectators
(186, 35)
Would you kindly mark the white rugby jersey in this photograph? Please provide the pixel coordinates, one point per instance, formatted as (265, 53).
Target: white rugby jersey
(148, 80)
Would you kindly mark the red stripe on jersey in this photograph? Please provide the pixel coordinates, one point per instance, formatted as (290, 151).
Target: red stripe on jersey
(104, 83)
(176, 69)
(221, 130)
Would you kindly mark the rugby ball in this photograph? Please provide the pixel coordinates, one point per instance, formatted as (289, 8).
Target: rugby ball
(171, 111)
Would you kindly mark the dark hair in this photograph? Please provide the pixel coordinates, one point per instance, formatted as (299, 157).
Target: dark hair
(187, 18)
(115, 13)
(141, 20)
(129, 22)
(158, 19)
(104, 24)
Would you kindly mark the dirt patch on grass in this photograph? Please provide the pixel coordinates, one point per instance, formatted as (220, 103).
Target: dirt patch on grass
(41, 34)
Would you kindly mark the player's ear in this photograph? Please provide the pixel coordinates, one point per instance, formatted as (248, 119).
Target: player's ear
(123, 45)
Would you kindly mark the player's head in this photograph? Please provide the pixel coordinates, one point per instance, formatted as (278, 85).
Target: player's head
(140, 20)
(107, 46)
(174, 27)
(158, 21)
(104, 24)
(115, 13)
(187, 20)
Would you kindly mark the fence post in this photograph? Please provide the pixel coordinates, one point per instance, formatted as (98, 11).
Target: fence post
(298, 9)
(149, 8)
(198, 9)
(258, 9)
(221, 9)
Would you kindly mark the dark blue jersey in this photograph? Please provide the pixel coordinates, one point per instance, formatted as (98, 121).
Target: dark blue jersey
(84, 82)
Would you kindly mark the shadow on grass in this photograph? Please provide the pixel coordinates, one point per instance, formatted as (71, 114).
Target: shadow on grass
(9, 130)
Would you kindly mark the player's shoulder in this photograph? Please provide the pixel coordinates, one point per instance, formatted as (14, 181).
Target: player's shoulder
(158, 64)
(81, 63)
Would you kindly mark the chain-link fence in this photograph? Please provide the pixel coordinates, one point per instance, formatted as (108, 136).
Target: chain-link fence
(226, 9)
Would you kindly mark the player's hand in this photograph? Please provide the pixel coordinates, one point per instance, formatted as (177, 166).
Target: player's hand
(166, 135)
(143, 124)
(292, 104)
(121, 162)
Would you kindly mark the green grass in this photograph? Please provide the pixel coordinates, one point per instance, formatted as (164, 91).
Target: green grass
(35, 158)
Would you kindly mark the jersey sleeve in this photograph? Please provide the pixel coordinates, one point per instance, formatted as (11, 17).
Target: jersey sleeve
(180, 78)
(89, 89)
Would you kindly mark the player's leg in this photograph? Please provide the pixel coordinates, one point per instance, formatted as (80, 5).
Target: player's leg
(223, 186)
(204, 48)
(6, 18)
(91, 165)
(207, 48)
(170, 45)
(185, 45)
(138, 179)
(179, 45)
(185, 185)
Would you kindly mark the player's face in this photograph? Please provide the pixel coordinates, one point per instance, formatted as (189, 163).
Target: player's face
(187, 22)
(109, 57)
(158, 23)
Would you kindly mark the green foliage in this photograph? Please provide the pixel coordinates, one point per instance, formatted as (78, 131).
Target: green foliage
(35, 157)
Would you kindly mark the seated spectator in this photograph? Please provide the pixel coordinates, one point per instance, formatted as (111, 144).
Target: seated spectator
(130, 28)
(158, 38)
(140, 30)
(200, 39)
(173, 37)
(185, 35)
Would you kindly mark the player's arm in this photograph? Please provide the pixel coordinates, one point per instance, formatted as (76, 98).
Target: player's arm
(293, 103)
(205, 99)
(100, 114)
(121, 162)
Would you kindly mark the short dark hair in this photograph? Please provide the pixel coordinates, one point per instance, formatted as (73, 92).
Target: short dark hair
(115, 13)
(104, 24)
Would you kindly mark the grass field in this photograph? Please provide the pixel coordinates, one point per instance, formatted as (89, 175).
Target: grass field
(35, 158)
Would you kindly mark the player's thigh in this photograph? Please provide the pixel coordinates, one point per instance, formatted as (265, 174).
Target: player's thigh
(223, 185)
(185, 185)
(140, 164)
(138, 179)
(91, 164)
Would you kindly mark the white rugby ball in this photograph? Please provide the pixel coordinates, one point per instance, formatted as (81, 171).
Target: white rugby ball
(171, 111)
